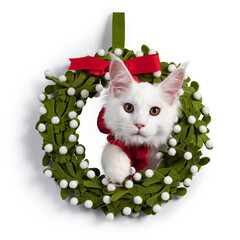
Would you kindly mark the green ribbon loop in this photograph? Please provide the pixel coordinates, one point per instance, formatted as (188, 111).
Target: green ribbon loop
(118, 30)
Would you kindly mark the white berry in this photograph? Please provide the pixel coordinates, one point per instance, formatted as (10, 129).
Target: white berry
(80, 150)
(181, 92)
(55, 120)
(137, 176)
(71, 91)
(191, 119)
(80, 104)
(88, 204)
(72, 114)
(48, 173)
(149, 173)
(90, 174)
(73, 184)
(187, 155)
(205, 110)
(197, 95)
(84, 93)
(41, 127)
(127, 211)
(63, 150)
(157, 208)
(132, 171)
(165, 196)
(74, 201)
(193, 169)
(107, 199)
(83, 164)
(172, 142)
(157, 74)
(151, 52)
(62, 78)
(137, 200)
(73, 124)
(72, 138)
(118, 52)
(48, 73)
(187, 182)
(107, 76)
(48, 148)
(135, 215)
(101, 52)
(139, 54)
(172, 151)
(177, 128)
(105, 181)
(128, 184)
(159, 155)
(99, 88)
(42, 97)
(63, 183)
(110, 216)
(111, 187)
(202, 129)
(42, 110)
(171, 67)
(168, 180)
(209, 144)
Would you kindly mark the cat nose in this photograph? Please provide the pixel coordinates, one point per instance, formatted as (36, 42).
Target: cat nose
(139, 126)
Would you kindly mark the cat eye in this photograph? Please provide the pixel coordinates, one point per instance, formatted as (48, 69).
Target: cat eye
(154, 111)
(128, 107)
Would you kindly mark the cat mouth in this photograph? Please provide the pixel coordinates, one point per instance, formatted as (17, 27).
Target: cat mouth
(138, 134)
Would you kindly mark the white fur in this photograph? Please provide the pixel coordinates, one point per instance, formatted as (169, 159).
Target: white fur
(143, 96)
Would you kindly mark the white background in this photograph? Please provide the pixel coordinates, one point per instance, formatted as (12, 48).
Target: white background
(36, 35)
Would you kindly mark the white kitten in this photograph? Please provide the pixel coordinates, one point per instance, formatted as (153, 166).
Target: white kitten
(138, 114)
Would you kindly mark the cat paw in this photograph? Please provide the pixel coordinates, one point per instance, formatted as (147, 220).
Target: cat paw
(116, 164)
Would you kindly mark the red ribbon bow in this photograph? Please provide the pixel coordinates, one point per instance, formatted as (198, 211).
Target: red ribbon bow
(97, 66)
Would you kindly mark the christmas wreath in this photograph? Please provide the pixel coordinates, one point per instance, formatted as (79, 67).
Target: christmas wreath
(64, 157)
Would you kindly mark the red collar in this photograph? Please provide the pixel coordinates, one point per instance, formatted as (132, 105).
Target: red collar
(137, 154)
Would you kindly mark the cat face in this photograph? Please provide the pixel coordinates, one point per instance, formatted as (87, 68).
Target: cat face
(141, 113)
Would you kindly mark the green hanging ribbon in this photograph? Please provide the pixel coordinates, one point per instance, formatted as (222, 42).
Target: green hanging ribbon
(118, 30)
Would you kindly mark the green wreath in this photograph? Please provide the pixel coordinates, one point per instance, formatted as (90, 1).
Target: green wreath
(65, 156)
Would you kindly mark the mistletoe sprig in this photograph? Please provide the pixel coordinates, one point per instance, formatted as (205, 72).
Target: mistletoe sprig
(65, 162)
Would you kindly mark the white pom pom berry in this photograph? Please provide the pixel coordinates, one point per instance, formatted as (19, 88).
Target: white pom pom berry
(71, 91)
(83, 164)
(74, 201)
(177, 128)
(62, 78)
(48, 173)
(137, 176)
(171, 67)
(101, 52)
(84, 93)
(48, 148)
(127, 211)
(137, 200)
(149, 173)
(91, 174)
(168, 180)
(128, 184)
(63, 183)
(41, 127)
(63, 150)
(165, 196)
(48, 73)
(118, 52)
(73, 184)
(172, 151)
(191, 119)
(139, 54)
(157, 208)
(55, 120)
(88, 204)
(187, 155)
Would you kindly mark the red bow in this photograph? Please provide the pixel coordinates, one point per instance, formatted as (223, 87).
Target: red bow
(97, 66)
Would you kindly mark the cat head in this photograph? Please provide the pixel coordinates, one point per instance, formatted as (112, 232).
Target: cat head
(141, 113)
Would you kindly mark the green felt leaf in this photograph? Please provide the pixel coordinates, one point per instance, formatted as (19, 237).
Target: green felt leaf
(118, 194)
(203, 161)
(46, 160)
(70, 169)
(49, 89)
(180, 191)
(64, 193)
(92, 184)
(195, 85)
(145, 49)
(70, 76)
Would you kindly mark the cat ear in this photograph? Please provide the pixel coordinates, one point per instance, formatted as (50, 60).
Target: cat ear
(172, 84)
(120, 78)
